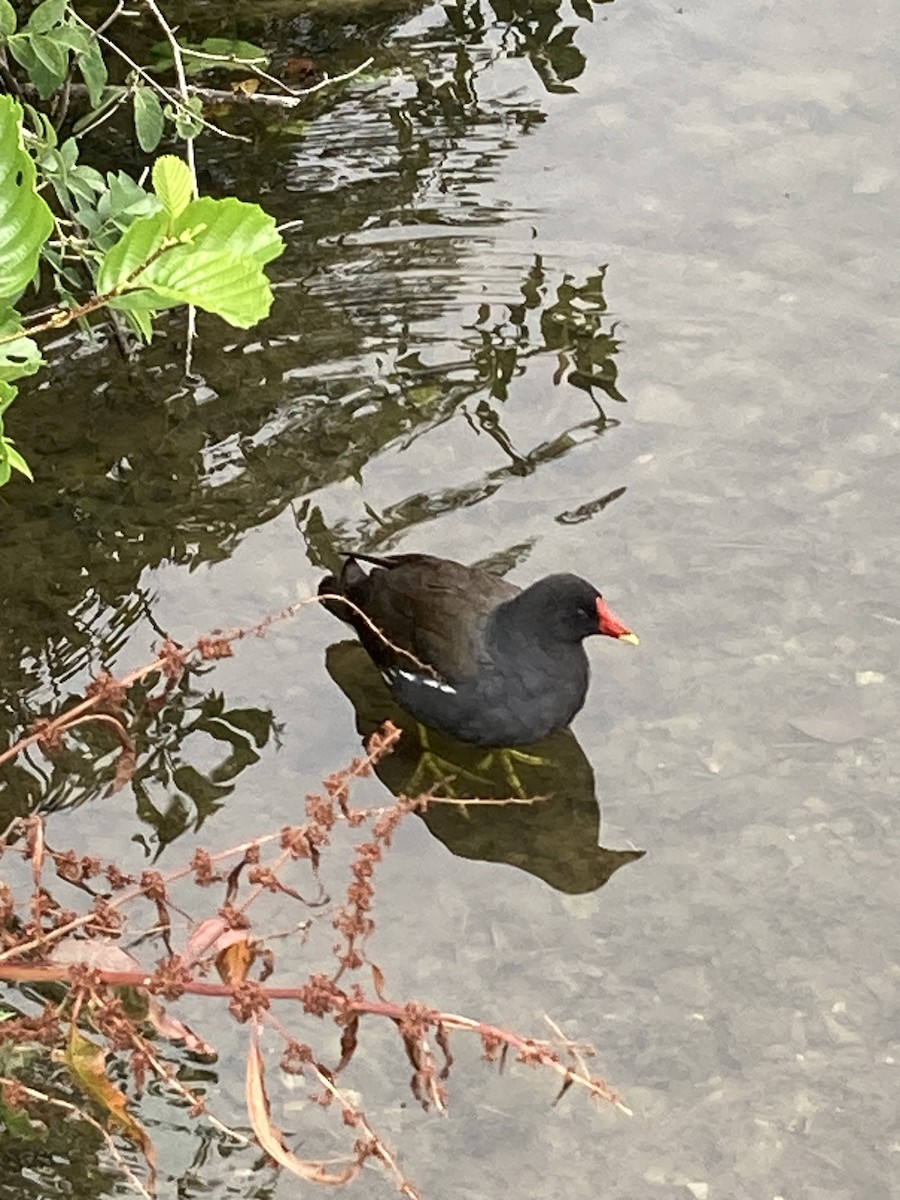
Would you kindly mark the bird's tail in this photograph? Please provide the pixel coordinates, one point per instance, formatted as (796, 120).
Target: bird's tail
(348, 583)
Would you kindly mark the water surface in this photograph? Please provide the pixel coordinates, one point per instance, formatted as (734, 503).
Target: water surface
(527, 280)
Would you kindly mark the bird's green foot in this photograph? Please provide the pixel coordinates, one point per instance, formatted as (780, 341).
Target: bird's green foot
(506, 758)
(434, 772)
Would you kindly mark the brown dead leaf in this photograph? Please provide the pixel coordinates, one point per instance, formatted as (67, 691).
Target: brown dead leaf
(235, 959)
(348, 1042)
(87, 1062)
(176, 1031)
(269, 1135)
(203, 937)
(378, 981)
(566, 1084)
(35, 838)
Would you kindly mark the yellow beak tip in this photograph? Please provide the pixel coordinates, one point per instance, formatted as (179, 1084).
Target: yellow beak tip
(630, 637)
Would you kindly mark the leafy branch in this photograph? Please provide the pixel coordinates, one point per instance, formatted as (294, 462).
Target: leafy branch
(179, 250)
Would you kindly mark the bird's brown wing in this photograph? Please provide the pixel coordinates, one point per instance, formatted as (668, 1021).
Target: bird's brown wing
(432, 607)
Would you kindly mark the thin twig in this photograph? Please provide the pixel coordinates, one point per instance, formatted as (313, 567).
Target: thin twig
(191, 160)
(148, 79)
(423, 666)
(360, 1121)
(112, 18)
(194, 1099)
(291, 99)
(82, 1115)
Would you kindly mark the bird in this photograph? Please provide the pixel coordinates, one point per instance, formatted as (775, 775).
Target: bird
(468, 653)
(554, 835)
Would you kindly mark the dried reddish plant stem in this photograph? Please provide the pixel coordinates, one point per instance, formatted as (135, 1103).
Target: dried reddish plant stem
(197, 1102)
(172, 662)
(531, 1051)
(33, 827)
(528, 1050)
(225, 936)
(373, 1146)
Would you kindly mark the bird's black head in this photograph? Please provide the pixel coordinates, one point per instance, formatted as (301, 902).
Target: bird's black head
(566, 608)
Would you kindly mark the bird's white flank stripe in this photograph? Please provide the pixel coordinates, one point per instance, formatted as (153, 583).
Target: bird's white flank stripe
(392, 674)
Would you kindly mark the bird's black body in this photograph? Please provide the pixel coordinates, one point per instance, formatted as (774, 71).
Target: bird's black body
(468, 653)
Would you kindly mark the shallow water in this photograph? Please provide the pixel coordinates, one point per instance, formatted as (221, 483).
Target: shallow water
(720, 187)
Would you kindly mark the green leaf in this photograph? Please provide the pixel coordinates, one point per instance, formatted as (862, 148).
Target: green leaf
(187, 117)
(173, 183)
(14, 459)
(86, 183)
(79, 188)
(8, 393)
(22, 51)
(236, 49)
(149, 121)
(46, 15)
(25, 219)
(235, 55)
(73, 37)
(238, 55)
(42, 127)
(141, 240)
(219, 269)
(18, 357)
(91, 177)
(52, 55)
(68, 152)
(88, 217)
(93, 72)
(7, 18)
(127, 198)
(234, 226)
(231, 287)
(141, 323)
(43, 58)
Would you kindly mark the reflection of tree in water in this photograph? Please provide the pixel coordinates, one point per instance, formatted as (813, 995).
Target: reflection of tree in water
(201, 481)
(136, 466)
(191, 726)
(532, 29)
(497, 348)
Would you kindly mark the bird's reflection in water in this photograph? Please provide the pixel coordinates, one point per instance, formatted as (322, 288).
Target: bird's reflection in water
(554, 838)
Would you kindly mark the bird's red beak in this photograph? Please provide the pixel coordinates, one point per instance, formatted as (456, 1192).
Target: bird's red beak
(611, 625)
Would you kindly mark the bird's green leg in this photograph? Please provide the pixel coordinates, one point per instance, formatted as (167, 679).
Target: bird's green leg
(431, 769)
(507, 757)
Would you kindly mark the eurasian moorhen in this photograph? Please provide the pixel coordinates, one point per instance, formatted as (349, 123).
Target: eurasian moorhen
(468, 653)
